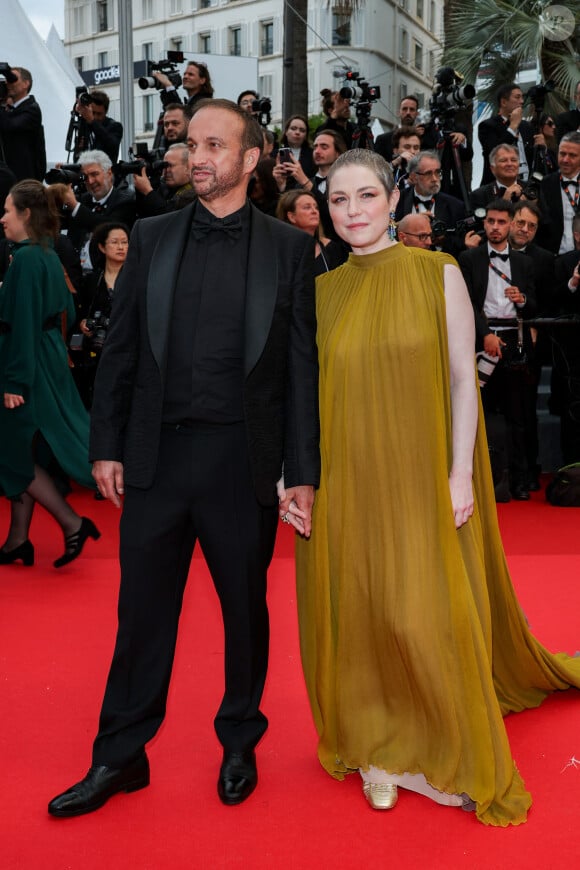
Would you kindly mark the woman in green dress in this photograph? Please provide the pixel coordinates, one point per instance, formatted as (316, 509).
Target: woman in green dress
(40, 409)
(413, 642)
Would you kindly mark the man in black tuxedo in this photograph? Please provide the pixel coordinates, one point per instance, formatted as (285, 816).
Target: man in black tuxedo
(501, 285)
(22, 144)
(560, 198)
(504, 162)
(523, 229)
(424, 196)
(196, 84)
(101, 202)
(566, 366)
(206, 394)
(569, 122)
(508, 128)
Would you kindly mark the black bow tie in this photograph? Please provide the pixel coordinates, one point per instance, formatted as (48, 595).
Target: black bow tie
(566, 183)
(503, 257)
(232, 227)
(427, 203)
(98, 208)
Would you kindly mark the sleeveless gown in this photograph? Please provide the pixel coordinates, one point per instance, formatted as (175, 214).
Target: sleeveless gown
(413, 643)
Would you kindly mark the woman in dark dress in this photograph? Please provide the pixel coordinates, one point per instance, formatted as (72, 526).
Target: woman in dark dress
(40, 407)
(300, 209)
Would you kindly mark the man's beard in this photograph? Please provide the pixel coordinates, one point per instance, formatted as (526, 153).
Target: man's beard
(216, 187)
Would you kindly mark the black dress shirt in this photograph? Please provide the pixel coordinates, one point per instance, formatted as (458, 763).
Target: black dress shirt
(205, 367)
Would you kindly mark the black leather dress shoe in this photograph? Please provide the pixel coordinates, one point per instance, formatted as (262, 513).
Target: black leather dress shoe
(238, 777)
(98, 786)
(520, 492)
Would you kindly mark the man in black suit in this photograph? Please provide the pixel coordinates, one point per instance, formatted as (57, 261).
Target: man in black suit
(504, 162)
(523, 229)
(560, 198)
(507, 127)
(22, 144)
(206, 393)
(97, 129)
(566, 365)
(101, 202)
(569, 122)
(501, 286)
(424, 196)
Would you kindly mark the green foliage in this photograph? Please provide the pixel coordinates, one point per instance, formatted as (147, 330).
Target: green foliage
(497, 38)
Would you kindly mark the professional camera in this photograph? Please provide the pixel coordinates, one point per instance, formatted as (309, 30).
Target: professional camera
(6, 76)
(537, 95)
(359, 90)
(449, 94)
(152, 161)
(261, 108)
(98, 325)
(531, 187)
(169, 67)
(82, 95)
(470, 223)
(67, 173)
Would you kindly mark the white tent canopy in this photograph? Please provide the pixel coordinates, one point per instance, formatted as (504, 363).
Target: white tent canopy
(53, 84)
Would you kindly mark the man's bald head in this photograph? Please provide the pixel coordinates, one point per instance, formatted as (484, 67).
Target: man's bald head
(414, 231)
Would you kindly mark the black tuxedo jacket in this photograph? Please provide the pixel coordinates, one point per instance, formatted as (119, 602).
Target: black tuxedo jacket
(552, 224)
(543, 278)
(22, 140)
(494, 131)
(480, 197)
(447, 208)
(280, 359)
(474, 264)
(107, 137)
(566, 302)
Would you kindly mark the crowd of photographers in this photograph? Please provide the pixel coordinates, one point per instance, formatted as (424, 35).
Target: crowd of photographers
(524, 211)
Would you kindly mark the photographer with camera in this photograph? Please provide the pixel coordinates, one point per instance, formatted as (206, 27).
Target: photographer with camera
(101, 202)
(22, 145)
(196, 83)
(175, 181)
(97, 130)
(338, 120)
(109, 246)
(509, 128)
(406, 143)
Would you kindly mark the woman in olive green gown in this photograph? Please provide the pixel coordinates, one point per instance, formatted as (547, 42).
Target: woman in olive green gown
(413, 643)
(39, 404)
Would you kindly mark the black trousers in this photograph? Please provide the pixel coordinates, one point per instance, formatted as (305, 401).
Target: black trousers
(202, 491)
(508, 393)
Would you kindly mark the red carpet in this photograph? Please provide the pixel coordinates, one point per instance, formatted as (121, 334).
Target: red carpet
(57, 632)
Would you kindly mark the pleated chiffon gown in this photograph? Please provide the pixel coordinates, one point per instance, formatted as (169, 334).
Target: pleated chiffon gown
(413, 643)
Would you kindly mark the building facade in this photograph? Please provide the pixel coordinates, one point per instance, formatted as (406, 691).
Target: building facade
(395, 44)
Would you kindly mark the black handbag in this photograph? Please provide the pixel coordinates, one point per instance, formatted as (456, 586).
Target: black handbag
(564, 488)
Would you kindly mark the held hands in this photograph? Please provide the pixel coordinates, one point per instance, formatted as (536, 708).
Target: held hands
(13, 400)
(109, 478)
(296, 506)
(492, 344)
(461, 490)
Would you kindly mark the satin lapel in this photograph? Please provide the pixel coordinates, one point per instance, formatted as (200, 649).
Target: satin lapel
(163, 270)
(261, 289)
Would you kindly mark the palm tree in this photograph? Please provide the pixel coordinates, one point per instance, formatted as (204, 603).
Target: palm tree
(295, 88)
(498, 38)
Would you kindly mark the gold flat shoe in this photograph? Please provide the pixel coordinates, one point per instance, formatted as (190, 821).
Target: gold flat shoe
(380, 795)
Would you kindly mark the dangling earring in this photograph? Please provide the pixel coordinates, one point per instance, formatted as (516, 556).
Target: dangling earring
(392, 227)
